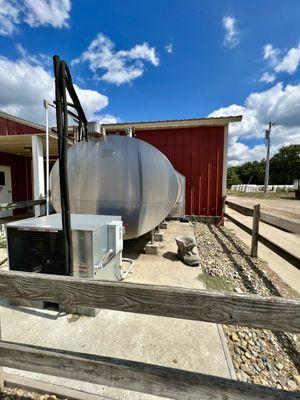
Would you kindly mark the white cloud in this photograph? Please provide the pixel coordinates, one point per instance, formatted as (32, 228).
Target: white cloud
(270, 53)
(169, 48)
(47, 12)
(35, 59)
(9, 17)
(231, 38)
(267, 77)
(279, 104)
(121, 66)
(34, 13)
(279, 61)
(290, 61)
(24, 85)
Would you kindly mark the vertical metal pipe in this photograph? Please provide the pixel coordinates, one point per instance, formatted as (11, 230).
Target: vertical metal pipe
(47, 157)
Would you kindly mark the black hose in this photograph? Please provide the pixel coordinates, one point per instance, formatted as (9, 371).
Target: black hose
(62, 131)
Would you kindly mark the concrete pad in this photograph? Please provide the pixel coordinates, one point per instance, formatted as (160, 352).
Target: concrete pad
(190, 345)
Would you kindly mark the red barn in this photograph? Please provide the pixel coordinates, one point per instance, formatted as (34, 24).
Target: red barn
(197, 148)
(22, 147)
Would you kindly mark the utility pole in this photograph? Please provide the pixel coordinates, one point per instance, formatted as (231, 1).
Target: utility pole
(267, 143)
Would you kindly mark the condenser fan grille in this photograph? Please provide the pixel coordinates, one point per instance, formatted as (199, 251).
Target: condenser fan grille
(33, 251)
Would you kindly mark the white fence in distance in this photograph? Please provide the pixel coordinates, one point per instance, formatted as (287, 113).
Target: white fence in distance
(259, 188)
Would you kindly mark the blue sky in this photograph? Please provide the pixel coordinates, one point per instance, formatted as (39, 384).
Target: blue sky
(149, 60)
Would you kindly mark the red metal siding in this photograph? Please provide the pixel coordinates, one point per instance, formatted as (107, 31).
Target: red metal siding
(21, 179)
(197, 153)
(8, 127)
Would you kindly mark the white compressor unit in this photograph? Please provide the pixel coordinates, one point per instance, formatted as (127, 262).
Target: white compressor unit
(36, 245)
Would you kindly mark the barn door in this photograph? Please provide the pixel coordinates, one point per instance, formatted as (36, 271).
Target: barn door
(5, 189)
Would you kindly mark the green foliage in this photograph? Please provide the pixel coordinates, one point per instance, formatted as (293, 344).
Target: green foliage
(284, 168)
(285, 165)
(219, 283)
(2, 240)
(232, 177)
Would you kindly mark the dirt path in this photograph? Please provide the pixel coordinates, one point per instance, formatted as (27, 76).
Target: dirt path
(282, 207)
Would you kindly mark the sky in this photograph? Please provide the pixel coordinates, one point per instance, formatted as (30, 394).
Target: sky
(160, 59)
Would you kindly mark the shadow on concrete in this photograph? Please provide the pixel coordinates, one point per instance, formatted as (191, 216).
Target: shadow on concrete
(170, 255)
(133, 248)
(33, 311)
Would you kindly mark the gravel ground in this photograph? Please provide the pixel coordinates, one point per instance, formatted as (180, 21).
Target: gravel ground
(259, 356)
(19, 394)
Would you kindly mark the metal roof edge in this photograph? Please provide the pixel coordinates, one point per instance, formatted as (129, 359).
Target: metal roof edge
(21, 120)
(183, 123)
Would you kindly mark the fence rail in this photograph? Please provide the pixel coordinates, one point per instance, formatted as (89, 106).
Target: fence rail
(131, 375)
(21, 204)
(277, 222)
(201, 305)
(258, 237)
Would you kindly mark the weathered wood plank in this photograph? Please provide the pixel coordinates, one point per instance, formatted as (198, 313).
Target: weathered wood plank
(280, 223)
(62, 392)
(141, 377)
(201, 305)
(289, 257)
(241, 209)
(21, 204)
(238, 223)
(1, 368)
(255, 229)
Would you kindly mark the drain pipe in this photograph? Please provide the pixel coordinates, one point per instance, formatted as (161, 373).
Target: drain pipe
(47, 156)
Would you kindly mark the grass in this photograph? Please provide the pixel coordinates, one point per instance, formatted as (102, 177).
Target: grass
(219, 283)
(2, 240)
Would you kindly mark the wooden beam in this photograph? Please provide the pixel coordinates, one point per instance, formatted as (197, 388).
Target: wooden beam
(201, 305)
(1, 369)
(21, 204)
(287, 256)
(280, 223)
(131, 375)
(239, 224)
(35, 386)
(255, 229)
(241, 209)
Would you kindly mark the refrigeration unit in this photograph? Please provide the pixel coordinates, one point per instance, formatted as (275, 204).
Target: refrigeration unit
(36, 245)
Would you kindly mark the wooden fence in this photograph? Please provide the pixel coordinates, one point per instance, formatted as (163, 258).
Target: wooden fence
(258, 237)
(21, 204)
(201, 305)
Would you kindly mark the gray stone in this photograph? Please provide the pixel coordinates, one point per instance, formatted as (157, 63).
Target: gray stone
(279, 366)
(246, 369)
(292, 384)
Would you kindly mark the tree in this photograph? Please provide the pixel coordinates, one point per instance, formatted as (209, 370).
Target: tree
(232, 177)
(285, 165)
(252, 172)
(284, 168)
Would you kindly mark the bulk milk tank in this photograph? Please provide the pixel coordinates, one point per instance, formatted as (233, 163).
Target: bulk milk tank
(119, 175)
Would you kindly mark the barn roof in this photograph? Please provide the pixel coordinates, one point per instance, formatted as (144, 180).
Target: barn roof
(176, 123)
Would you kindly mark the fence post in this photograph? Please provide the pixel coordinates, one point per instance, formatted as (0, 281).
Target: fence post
(1, 369)
(255, 229)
